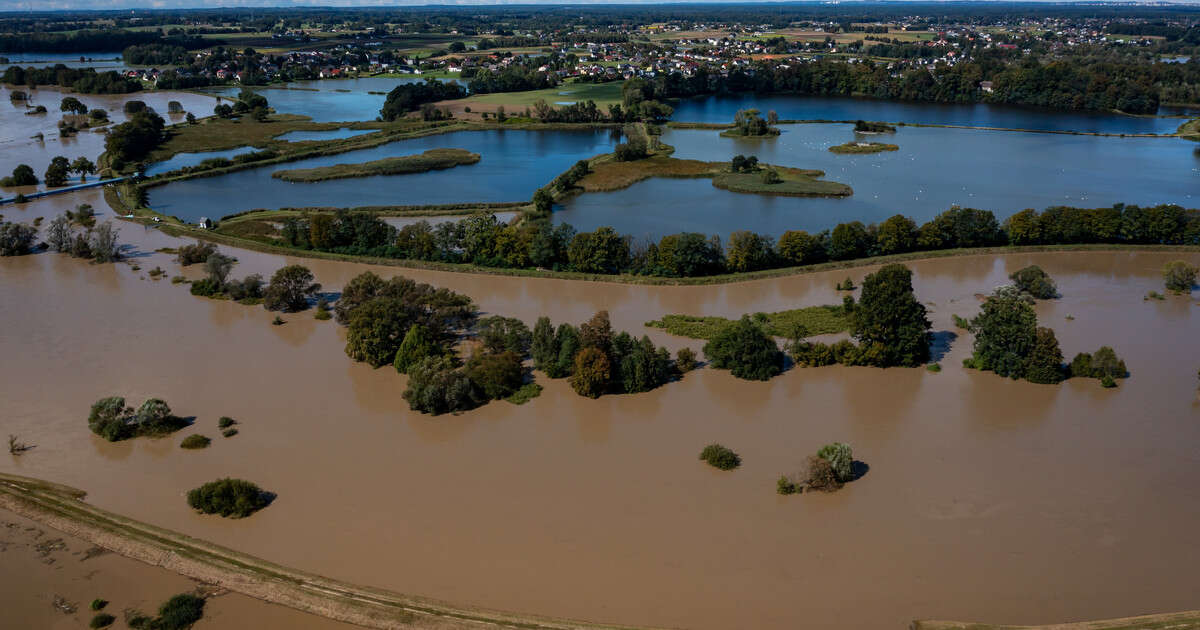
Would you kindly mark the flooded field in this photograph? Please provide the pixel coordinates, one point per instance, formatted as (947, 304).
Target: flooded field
(17, 130)
(934, 168)
(985, 498)
(39, 565)
(331, 100)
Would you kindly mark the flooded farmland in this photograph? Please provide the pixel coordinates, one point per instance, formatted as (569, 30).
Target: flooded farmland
(985, 498)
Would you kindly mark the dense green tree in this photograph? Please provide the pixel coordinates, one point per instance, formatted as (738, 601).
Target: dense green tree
(84, 167)
(289, 290)
(72, 105)
(376, 330)
(896, 235)
(749, 252)
(235, 498)
(57, 172)
(592, 373)
(850, 240)
(1036, 282)
(840, 458)
(602, 251)
(1005, 333)
(504, 334)
(59, 234)
(798, 247)
(496, 374)
(745, 350)
(688, 254)
(1045, 361)
(889, 320)
(566, 340)
(597, 333)
(436, 386)
(416, 346)
(545, 351)
(22, 175)
(643, 367)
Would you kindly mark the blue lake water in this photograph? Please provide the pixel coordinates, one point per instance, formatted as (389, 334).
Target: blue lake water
(330, 100)
(101, 61)
(332, 134)
(513, 165)
(721, 109)
(935, 168)
(180, 160)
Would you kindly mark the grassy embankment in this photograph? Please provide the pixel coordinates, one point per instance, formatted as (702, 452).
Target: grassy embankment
(1190, 130)
(61, 508)
(863, 147)
(433, 159)
(816, 320)
(772, 133)
(1189, 620)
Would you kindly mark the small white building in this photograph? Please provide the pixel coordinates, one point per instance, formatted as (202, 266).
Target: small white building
(206, 223)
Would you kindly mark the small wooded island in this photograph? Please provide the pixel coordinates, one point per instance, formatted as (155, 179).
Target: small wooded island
(863, 147)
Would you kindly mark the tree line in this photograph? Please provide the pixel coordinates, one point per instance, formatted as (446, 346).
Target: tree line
(82, 80)
(483, 240)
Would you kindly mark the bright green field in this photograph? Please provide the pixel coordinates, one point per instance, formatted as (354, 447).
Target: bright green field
(603, 93)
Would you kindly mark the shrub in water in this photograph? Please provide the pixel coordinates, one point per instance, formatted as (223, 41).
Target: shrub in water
(195, 441)
(103, 620)
(840, 458)
(721, 457)
(228, 497)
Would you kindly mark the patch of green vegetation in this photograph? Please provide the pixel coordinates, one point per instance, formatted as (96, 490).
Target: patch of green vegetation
(604, 94)
(433, 159)
(812, 320)
(863, 147)
(526, 393)
(178, 613)
(195, 441)
(225, 422)
(98, 604)
(721, 457)
(230, 432)
(934, 367)
(236, 498)
(102, 620)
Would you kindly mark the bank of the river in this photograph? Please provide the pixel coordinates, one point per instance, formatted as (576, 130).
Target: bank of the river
(961, 485)
(49, 578)
(1178, 621)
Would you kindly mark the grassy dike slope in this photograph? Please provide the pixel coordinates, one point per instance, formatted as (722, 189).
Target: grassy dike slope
(433, 159)
(61, 508)
(1174, 621)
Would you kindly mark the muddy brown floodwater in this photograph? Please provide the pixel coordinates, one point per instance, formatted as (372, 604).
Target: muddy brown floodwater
(46, 574)
(18, 146)
(986, 498)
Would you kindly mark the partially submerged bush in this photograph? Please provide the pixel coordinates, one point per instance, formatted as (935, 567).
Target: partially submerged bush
(840, 458)
(98, 604)
(178, 613)
(102, 620)
(721, 457)
(195, 441)
(1036, 282)
(1179, 276)
(746, 351)
(235, 498)
(225, 422)
(685, 360)
(113, 421)
(1104, 364)
(195, 254)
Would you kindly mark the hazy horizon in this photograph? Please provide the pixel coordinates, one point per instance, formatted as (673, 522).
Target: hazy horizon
(103, 5)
